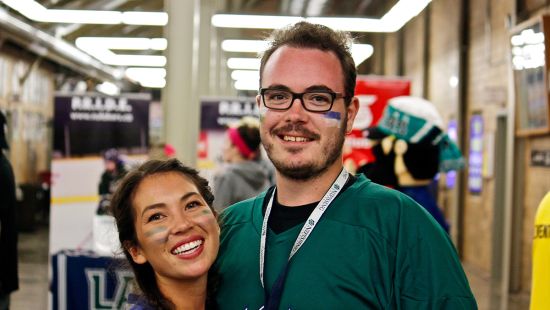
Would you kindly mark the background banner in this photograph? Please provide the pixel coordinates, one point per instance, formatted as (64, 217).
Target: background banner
(373, 93)
(91, 123)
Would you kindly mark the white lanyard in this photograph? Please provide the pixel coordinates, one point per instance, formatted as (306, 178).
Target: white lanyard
(310, 223)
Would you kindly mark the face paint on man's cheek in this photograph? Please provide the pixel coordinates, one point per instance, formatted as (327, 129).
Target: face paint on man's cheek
(262, 111)
(158, 234)
(333, 119)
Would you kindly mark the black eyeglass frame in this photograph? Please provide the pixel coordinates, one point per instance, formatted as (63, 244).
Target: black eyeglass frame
(300, 96)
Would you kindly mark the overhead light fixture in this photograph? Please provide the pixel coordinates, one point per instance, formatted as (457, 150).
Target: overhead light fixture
(108, 88)
(245, 75)
(147, 77)
(244, 63)
(359, 52)
(402, 12)
(100, 48)
(138, 73)
(37, 12)
(393, 20)
(251, 46)
(145, 18)
(247, 84)
(253, 21)
(152, 83)
(123, 43)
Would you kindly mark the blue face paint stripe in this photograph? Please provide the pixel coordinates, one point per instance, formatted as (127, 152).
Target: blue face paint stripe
(333, 118)
(333, 115)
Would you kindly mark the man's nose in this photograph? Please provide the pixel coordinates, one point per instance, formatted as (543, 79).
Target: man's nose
(297, 110)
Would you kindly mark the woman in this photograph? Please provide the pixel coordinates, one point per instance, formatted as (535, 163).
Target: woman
(244, 173)
(169, 234)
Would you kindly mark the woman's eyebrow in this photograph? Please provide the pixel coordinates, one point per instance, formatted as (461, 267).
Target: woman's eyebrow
(162, 204)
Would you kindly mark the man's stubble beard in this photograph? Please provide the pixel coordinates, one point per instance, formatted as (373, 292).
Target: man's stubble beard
(311, 171)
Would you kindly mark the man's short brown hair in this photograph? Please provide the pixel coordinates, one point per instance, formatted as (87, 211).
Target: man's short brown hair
(307, 35)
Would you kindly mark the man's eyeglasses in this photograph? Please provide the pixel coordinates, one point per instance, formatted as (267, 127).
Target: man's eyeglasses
(314, 101)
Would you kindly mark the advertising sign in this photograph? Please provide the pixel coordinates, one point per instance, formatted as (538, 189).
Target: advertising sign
(373, 93)
(475, 157)
(89, 124)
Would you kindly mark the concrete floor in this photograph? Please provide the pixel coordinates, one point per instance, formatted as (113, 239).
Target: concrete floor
(33, 271)
(33, 277)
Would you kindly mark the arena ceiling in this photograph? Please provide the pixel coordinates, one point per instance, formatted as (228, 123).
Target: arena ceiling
(70, 32)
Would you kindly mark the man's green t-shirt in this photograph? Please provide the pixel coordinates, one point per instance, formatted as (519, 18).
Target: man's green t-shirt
(373, 248)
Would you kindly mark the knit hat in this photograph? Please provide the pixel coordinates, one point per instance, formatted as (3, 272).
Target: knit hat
(112, 155)
(416, 120)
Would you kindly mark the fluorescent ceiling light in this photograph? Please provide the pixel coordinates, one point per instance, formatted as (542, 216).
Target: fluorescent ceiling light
(245, 75)
(393, 20)
(354, 24)
(252, 46)
(37, 12)
(145, 18)
(359, 52)
(79, 17)
(116, 43)
(247, 84)
(100, 48)
(152, 83)
(253, 21)
(402, 12)
(134, 60)
(137, 73)
(244, 63)
(108, 88)
(147, 77)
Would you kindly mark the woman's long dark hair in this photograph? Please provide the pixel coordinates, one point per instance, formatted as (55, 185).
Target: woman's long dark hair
(121, 205)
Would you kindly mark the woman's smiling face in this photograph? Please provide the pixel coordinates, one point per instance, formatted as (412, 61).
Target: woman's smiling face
(177, 232)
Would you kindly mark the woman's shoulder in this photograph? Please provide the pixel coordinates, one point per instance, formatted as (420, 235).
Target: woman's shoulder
(137, 302)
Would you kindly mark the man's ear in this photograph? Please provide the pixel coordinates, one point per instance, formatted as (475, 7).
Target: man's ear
(352, 110)
(136, 253)
(259, 100)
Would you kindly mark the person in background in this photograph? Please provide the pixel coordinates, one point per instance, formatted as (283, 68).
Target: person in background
(169, 234)
(114, 172)
(540, 289)
(162, 151)
(323, 238)
(9, 281)
(244, 173)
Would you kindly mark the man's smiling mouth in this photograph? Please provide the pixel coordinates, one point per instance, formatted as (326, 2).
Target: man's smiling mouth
(295, 139)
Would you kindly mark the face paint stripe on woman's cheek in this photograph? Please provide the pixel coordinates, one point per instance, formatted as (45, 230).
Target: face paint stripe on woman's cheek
(159, 234)
(333, 119)
(202, 213)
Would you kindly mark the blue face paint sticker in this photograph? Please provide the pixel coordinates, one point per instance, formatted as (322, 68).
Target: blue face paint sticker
(333, 118)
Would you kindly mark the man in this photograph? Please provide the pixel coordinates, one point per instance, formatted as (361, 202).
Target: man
(8, 229)
(321, 238)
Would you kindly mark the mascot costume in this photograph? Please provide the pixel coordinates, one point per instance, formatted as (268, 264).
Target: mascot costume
(411, 147)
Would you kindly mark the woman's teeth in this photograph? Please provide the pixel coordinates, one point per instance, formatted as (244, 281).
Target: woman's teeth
(187, 247)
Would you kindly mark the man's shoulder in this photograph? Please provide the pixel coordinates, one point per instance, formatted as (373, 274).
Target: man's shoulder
(373, 195)
(377, 207)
